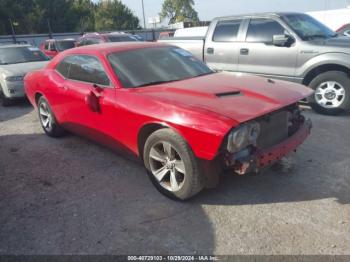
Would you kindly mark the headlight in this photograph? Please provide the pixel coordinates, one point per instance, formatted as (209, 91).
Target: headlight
(243, 136)
(14, 78)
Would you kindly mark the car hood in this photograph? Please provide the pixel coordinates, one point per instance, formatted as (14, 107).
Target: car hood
(340, 41)
(238, 96)
(22, 68)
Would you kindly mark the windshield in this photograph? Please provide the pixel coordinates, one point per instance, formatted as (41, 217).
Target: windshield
(150, 66)
(122, 38)
(64, 45)
(307, 27)
(15, 55)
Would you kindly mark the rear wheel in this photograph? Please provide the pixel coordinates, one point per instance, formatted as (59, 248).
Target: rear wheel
(48, 120)
(332, 93)
(171, 165)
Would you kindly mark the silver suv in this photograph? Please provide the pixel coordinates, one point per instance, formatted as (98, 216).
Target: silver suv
(15, 62)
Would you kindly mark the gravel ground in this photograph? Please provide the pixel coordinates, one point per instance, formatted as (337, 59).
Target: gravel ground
(71, 196)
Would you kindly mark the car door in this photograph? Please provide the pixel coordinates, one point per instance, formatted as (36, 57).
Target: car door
(222, 45)
(259, 56)
(90, 96)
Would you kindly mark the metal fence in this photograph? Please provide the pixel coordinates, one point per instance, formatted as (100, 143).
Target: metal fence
(37, 39)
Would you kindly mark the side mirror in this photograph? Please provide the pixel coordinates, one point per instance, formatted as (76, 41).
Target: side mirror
(282, 40)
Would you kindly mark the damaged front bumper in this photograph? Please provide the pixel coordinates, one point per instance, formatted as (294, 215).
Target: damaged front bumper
(259, 158)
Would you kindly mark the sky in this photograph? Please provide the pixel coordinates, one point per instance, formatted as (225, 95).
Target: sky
(208, 9)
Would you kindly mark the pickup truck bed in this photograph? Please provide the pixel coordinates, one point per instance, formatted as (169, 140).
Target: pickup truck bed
(195, 45)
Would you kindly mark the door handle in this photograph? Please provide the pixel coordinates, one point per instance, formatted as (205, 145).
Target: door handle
(244, 51)
(210, 50)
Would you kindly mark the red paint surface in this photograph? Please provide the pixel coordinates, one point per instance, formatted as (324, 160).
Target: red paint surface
(190, 107)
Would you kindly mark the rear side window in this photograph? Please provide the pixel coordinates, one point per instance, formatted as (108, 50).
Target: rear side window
(46, 45)
(92, 41)
(63, 67)
(226, 31)
(122, 38)
(84, 68)
(263, 30)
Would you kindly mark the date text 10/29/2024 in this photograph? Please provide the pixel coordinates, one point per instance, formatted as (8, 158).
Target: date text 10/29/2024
(172, 258)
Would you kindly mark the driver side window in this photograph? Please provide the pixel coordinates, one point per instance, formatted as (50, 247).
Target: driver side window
(84, 68)
(262, 30)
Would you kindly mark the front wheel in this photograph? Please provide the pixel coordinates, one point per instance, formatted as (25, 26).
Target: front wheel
(48, 120)
(332, 93)
(171, 165)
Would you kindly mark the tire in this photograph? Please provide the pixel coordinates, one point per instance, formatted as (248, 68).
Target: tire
(48, 120)
(4, 101)
(182, 165)
(332, 93)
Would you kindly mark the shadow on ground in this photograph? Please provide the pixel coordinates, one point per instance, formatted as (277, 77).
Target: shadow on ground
(70, 196)
(17, 109)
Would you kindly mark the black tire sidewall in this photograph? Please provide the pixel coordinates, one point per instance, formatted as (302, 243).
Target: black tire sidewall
(337, 76)
(193, 181)
(56, 130)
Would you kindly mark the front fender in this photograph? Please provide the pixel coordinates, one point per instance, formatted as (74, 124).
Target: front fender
(341, 59)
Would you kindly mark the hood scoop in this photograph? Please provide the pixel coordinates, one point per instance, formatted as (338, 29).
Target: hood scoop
(230, 93)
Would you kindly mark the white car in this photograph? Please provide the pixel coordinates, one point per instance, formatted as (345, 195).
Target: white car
(15, 62)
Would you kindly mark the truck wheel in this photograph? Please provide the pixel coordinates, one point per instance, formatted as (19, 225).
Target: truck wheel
(171, 165)
(332, 93)
(4, 101)
(48, 120)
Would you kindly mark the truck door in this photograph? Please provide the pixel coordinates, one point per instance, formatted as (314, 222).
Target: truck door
(259, 55)
(222, 44)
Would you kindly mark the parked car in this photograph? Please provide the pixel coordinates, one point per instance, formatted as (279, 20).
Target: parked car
(52, 47)
(344, 30)
(98, 38)
(162, 104)
(15, 62)
(288, 46)
(166, 34)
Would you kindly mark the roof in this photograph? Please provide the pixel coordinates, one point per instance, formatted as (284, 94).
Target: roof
(267, 14)
(104, 34)
(13, 45)
(60, 40)
(107, 48)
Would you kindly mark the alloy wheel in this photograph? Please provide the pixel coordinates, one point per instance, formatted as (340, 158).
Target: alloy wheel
(330, 94)
(167, 166)
(45, 116)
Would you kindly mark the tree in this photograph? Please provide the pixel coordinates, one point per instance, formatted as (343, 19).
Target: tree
(114, 15)
(179, 11)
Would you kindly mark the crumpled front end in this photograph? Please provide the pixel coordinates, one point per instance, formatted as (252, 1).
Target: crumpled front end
(280, 133)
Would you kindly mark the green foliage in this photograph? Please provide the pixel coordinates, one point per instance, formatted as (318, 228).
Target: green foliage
(179, 11)
(113, 14)
(33, 16)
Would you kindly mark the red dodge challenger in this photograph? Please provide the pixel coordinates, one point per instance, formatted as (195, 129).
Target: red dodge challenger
(183, 120)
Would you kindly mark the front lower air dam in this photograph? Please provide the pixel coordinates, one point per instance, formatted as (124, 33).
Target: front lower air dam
(259, 158)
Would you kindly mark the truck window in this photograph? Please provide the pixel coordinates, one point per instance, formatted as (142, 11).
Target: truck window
(226, 31)
(262, 30)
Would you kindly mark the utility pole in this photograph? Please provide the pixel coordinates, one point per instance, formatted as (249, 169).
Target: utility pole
(13, 31)
(144, 18)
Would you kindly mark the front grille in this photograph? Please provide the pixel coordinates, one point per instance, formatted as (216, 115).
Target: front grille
(274, 129)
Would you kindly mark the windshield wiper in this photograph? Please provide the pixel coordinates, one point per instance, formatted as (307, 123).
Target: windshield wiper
(157, 83)
(204, 74)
